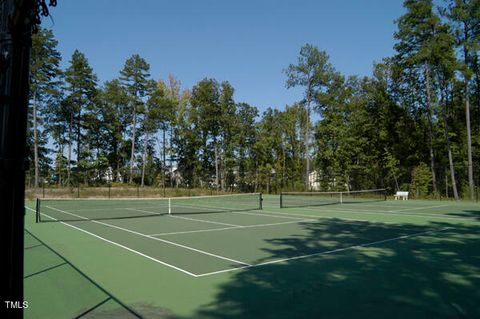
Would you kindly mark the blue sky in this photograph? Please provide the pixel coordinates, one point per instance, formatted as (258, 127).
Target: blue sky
(247, 43)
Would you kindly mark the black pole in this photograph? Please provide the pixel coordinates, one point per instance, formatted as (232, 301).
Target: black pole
(16, 19)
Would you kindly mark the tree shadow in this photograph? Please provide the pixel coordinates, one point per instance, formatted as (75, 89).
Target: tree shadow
(474, 214)
(417, 274)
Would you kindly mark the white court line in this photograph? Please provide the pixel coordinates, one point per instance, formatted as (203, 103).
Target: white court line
(265, 214)
(204, 221)
(416, 208)
(354, 221)
(368, 205)
(182, 217)
(145, 211)
(386, 213)
(324, 252)
(419, 215)
(122, 246)
(239, 227)
(332, 217)
(154, 238)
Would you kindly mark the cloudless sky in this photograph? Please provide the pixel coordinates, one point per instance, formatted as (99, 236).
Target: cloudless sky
(245, 42)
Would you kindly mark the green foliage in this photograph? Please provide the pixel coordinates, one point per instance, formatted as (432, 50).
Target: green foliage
(401, 128)
(421, 181)
(45, 96)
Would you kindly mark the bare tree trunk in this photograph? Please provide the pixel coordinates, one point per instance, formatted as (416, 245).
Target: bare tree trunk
(430, 127)
(70, 129)
(307, 145)
(171, 155)
(35, 141)
(467, 119)
(469, 142)
(216, 165)
(132, 153)
(117, 163)
(145, 145)
(164, 158)
(79, 156)
(60, 165)
(283, 165)
(449, 149)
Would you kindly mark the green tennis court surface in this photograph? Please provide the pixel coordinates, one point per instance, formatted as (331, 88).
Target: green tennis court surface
(372, 259)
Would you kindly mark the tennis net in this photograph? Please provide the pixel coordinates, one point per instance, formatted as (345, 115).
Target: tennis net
(97, 209)
(305, 199)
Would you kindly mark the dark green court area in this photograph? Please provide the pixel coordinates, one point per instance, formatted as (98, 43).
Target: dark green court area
(375, 259)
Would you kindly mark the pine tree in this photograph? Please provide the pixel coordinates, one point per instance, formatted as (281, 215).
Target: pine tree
(116, 117)
(313, 72)
(416, 36)
(135, 77)
(44, 86)
(81, 90)
(464, 16)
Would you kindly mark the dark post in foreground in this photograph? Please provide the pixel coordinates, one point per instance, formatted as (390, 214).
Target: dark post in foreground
(17, 19)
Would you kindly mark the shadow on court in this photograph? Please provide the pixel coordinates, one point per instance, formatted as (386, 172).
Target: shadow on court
(475, 214)
(54, 288)
(434, 275)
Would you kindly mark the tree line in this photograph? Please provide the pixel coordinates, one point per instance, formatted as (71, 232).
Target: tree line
(413, 125)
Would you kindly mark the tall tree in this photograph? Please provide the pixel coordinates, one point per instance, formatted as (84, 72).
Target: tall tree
(163, 103)
(135, 76)
(445, 65)
(205, 102)
(246, 116)
(81, 88)
(313, 72)
(465, 19)
(116, 116)
(229, 130)
(416, 36)
(44, 83)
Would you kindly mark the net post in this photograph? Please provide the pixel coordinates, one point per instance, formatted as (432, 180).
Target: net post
(261, 201)
(281, 199)
(37, 211)
(341, 197)
(109, 190)
(169, 206)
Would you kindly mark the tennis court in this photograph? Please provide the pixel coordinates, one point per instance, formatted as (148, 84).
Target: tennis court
(233, 255)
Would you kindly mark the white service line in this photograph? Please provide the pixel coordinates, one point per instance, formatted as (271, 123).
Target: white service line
(238, 227)
(416, 208)
(154, 238)
(324, 252)
(416, 215)
(265, 214)
(146, 211)
(122, 246)
(204, 221)
(393, 225)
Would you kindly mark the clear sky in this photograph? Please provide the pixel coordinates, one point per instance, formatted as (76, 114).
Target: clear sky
(245, 42)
